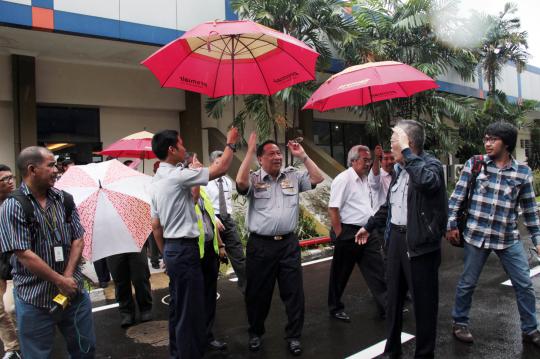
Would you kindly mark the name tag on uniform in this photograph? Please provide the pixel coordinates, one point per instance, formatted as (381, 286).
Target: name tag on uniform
(261, 186)
(58, 254)
(286, 184)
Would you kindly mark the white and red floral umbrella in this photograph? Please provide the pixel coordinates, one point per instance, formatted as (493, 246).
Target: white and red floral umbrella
(113, 203)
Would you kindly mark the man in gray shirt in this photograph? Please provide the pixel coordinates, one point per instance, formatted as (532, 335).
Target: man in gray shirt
(175, 228)
(272, 250)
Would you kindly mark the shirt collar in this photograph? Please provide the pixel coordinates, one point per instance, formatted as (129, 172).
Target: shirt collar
(354, 176)
(513, 163)
(51, 193)
(264, 174)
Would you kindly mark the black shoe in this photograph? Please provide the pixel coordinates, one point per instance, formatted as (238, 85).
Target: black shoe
(103, 284)
(462, 333)
(295, 347)
(146, 316)
(217, 345)
(254, 343)
(341, 315)
(533, 338)
(155, 265)
(127, 321)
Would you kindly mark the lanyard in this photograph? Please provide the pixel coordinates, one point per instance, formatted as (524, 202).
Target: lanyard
(53, 226)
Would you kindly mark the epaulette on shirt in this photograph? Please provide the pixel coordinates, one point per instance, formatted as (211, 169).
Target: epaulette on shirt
(290, 169)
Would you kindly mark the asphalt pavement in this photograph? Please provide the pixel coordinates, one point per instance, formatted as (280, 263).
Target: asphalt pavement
(494, 321)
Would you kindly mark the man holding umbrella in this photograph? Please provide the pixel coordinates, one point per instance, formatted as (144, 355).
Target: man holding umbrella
(175, 228)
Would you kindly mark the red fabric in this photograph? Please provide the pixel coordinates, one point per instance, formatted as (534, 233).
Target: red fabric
(176, 65)
(141, 148)
(371, 84)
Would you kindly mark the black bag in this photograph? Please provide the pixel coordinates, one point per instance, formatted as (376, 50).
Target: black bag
(31, 223)
(463, 212)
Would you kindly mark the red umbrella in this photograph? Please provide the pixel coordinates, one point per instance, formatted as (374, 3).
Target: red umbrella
(223, 58)
(363, 84)
(137, 145)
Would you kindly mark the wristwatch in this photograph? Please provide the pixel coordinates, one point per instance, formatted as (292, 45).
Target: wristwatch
(232, 146)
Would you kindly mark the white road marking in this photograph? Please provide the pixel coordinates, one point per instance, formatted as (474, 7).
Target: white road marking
(316, 261)
(234, 279)
(534, 271)
(104, 307)
(378, 349)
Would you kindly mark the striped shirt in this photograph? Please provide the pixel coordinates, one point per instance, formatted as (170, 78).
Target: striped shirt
(15, 235)
(493, 211)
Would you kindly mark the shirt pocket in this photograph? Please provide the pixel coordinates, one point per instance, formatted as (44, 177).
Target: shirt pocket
(290, 197)
(511, 189)
(261, 198)
(482, 184)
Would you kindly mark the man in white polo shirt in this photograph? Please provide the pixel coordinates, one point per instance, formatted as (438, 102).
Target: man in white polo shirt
(352, 201)
(175, 228)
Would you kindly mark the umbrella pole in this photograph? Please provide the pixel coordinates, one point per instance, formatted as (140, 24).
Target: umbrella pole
(232, 79)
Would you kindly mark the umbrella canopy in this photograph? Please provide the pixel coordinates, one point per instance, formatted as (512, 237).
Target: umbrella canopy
(137, 145)
(231, 58)
(113, 204)
(363, 84)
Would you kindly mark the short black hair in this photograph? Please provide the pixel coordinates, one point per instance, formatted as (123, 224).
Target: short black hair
(506, 132)
(67, 162)
(161, 142)
(33, 155)
(260, 149)
(128, 162)
(4, 168)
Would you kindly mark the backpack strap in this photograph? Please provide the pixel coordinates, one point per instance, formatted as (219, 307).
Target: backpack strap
(28, 209)
(477, 164)
(69, 205)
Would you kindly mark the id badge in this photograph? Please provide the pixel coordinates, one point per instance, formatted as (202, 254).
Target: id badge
(58, 253)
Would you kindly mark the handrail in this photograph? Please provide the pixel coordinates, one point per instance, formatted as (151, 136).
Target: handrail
(314, 241)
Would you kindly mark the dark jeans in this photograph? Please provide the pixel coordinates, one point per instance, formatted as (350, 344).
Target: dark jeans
(367, 257)
(234, 249)
(419, 275)
(127, 269)
(187, 336)
(210, 268)
(102, 270)
(266, 262)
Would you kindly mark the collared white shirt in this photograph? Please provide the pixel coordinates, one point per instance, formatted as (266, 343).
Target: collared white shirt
(172, 202)
(384, 178)
(213, 192)
(398, 197)
(353, 196)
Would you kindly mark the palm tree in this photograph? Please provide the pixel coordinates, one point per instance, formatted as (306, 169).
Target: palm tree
(503, 42)
(320, 24)
(404, 31)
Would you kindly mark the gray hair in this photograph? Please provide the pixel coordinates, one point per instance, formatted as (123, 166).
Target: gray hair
(415, 132)
(215, 155)
(33, 155)
(353, 153)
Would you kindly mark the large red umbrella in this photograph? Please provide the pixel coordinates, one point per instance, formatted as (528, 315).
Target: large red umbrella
(137, 145)
(363, 84)
(223, 58)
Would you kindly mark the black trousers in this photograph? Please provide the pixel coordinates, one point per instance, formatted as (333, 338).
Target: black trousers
(210, 268)
(234, 249)
(267, 261)
(367, 257)
(102, 270)
(127, 269)
(419, 275)
(187, 337)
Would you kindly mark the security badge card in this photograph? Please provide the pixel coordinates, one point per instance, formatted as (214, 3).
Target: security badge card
(58, 248)
(287, 186)
(261, 186)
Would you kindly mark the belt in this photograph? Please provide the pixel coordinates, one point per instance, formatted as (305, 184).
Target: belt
(182, 239)
(398, 228)
(273, 238)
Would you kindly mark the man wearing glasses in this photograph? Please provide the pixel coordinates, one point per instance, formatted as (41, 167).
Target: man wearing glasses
(353, 197)
(502, 185)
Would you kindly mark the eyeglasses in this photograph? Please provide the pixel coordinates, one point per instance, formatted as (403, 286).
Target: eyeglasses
(490, 139)
(7, 179)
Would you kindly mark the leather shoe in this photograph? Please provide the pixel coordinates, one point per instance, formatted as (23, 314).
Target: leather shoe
(254, 343)
(462, 333)
(295, 347)
(146, 316)
(341, 315)
(533, 338)
(127, 321)
(217, 345)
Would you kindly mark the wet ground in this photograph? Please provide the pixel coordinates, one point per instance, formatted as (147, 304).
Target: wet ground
(494, 321)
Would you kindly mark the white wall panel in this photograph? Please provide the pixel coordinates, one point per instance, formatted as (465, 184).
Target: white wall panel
(109, 9)
(160, 13)
(508, 81)
(22, 2)
(7, 145)
(530, 85)
(193, 12)
(453, 77)
(6, 92)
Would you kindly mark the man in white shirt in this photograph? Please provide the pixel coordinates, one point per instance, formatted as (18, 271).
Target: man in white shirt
(382, 172)
(220, 192)
(352, 203)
